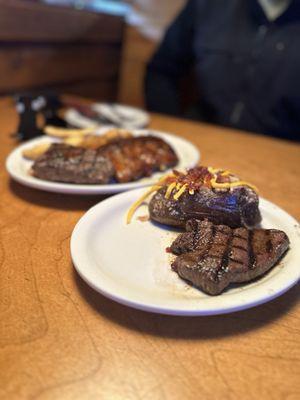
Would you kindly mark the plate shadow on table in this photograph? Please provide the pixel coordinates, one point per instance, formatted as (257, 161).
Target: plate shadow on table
(193, 328)
(68, 202)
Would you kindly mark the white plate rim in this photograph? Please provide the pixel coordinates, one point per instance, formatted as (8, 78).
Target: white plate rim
(260, 298)
(69, 188)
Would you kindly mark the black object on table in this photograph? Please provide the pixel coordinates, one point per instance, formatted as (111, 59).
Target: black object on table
(29, 106)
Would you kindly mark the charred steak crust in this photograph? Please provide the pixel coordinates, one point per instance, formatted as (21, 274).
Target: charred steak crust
(124, 160)
(236, 207)
(213, 256)
(134, 158)
(65, 163)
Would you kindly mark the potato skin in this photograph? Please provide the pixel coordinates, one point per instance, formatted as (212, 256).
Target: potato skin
(236, 207)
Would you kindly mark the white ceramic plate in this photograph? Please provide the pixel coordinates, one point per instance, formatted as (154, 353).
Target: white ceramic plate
(124, 116)
(129, 264)
(19, 168)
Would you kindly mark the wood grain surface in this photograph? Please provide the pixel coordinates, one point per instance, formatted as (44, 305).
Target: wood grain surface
(61, 340)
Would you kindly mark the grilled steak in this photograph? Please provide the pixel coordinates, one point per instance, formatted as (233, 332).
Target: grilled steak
(134, 158)
(124, 160)
(64, 163)
(213, 256)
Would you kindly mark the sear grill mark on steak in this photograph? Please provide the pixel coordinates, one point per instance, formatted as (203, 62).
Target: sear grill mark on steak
(65, 163)
(124, 160)
(213, 256)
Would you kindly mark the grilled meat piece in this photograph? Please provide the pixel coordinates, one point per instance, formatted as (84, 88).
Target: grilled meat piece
(134, 158)
(213, 256)
(64, 163)
(235, 207)
(124, 160)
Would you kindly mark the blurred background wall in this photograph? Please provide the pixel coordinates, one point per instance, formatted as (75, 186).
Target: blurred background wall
(95, 48)
(146, 24)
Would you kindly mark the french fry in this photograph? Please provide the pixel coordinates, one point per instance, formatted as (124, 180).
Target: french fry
(74, 140)
(117, 134)
(36, 151)
(93, 141)
(66, 133)
(96, 141)
(77, 138)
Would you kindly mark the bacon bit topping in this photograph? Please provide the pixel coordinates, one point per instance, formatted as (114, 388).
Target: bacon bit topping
(198, 177)
(143, 218)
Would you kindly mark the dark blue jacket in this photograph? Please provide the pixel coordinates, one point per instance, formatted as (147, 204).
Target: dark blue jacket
(247, 68)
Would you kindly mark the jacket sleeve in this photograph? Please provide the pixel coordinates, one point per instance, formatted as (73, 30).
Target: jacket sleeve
(171, 61)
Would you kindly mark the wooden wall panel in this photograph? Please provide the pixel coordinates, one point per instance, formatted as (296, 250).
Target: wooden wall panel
(43, 46)
(30, 66)
(96, 89)
(35, 22)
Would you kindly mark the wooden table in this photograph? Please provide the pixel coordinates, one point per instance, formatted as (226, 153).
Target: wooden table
(61, 340)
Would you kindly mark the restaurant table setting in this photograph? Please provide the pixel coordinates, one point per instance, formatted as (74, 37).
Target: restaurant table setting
(98, 291)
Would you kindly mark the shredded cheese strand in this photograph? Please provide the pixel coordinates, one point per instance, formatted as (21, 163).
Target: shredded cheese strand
(154, 188)
(227, 185)
(226, 173)
(243, 183)
(213, 170)
(163, 179)
(170, 189)
(136, 204)
(223, 172)
(180, 192)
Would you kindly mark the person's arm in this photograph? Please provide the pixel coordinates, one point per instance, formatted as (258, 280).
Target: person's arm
(171, 61)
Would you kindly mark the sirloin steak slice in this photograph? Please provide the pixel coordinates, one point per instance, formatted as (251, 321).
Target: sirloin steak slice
(213, 256)
(65, 163)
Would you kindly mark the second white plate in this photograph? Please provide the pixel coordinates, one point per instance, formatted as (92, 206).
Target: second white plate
(19, 168)
(129, 264)
(125, 116)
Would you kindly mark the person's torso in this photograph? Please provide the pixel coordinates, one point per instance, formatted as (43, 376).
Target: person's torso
(248, 67)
